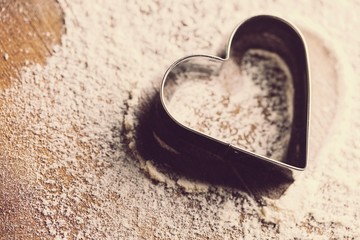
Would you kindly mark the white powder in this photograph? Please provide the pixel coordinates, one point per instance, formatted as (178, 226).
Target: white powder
(6, 56)
(245, 104)
(68, 175)
(192, 186)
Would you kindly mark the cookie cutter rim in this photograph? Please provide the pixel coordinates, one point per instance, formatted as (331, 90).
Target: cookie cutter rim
(228, 147)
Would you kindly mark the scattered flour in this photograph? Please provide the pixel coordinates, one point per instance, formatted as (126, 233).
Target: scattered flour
(192, 186)
(6, 56)
(63, 123)
(157, 175)
(247, 104)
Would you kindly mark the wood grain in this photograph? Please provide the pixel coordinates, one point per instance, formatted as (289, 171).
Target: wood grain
(28, 30)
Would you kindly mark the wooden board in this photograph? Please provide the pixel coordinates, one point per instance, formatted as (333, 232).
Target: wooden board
(28, 30)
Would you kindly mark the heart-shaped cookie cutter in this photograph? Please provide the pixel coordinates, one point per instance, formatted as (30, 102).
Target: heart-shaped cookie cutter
(260, 32)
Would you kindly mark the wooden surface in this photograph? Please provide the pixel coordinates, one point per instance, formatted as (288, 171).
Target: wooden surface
(28, 30)
(125, 201)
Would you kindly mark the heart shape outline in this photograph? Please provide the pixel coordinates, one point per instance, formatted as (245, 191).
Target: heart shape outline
(265, 32)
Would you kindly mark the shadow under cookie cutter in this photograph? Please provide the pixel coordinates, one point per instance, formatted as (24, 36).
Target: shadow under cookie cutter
(260, 32)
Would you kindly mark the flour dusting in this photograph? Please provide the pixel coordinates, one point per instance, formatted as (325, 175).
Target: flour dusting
(71, 127)
(247, 104)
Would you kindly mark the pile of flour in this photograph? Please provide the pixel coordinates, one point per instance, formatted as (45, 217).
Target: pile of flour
(66, 123)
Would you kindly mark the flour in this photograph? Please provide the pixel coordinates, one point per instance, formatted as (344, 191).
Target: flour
(64, 124)
(246, 104)
(192, 186)
(157, 175)
(6, 56)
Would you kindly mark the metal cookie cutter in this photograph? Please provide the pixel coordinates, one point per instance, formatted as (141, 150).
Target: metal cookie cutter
(265, 32)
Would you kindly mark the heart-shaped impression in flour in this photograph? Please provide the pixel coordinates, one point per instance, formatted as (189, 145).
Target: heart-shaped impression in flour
(250, 107)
